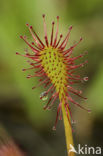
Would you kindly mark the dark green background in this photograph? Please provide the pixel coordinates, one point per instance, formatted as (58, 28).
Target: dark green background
(21, 110)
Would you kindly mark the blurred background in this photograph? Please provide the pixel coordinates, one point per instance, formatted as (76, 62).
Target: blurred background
(21, 110)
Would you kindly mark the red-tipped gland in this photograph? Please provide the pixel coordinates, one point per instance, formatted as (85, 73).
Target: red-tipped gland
(21, 36)
(61, 36)
(17, 53)
(81, 38)
(27, 54)
(25, 37)
(23, 69)
(29, 76)
(70, 28)
(31, 27)
(27, 24)
(57, 17)
(33, 87)
(43, 15)
(85, 78)
(32, 43)
(32, 64)
(53, 23)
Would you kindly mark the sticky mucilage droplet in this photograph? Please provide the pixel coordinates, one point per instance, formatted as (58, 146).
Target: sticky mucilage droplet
(85, 78)
(44, 96)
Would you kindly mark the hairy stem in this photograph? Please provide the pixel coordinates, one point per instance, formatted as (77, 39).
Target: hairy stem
(68, 131)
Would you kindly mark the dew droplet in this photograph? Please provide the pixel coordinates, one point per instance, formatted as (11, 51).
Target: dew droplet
(54, 128)
(89, 111)
(48, 108)
(80, 92)
(85, 78)
(73, 122)
(44, 96)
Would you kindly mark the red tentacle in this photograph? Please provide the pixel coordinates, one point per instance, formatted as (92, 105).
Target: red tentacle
(66, 39)
(33, 49)
(55, 40)
(45, 31)
(52, 33)
(58, 110)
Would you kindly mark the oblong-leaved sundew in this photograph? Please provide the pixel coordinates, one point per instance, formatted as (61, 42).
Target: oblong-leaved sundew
(56, 68)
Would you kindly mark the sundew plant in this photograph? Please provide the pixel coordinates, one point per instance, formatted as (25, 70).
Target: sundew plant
(55, 65)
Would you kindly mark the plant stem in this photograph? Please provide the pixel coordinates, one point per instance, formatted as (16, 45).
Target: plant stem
(68, 132)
